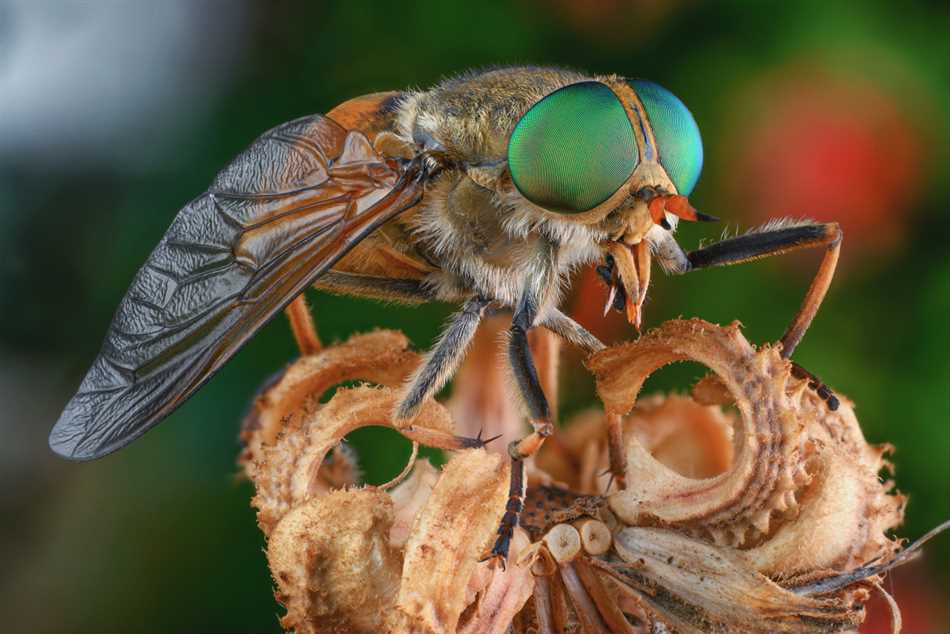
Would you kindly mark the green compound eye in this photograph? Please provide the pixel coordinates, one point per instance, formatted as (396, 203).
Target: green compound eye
(573, 149)
(676, 132)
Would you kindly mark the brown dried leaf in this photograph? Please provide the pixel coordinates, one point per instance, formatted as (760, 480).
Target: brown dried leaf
(409, 498)
(504, 595)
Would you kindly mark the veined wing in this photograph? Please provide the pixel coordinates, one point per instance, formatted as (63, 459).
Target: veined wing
(281, 214)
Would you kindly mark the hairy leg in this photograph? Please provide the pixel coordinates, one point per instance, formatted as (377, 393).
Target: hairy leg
(404, 291)
(444, 357)
(302, 326)
(565, 327)
(442, 360)
(537, 288)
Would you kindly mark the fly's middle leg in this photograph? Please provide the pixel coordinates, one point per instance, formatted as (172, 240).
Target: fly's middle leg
(529, 385)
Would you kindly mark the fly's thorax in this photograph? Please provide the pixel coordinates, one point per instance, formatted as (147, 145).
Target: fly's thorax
(471, 116)
(485, 245)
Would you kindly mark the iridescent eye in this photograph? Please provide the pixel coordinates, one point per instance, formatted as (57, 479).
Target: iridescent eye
(677, 135)
(573, 149)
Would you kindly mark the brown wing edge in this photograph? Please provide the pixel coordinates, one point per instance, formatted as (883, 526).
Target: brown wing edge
(115, 410)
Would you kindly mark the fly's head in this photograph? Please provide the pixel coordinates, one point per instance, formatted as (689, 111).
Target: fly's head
(619, 157)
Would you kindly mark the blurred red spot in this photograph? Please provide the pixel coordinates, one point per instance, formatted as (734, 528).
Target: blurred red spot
(829, 148)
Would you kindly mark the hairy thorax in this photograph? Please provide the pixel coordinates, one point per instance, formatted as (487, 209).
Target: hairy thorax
(482, 248)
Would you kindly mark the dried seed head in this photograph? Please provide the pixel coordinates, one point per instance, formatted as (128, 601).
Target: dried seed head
(714, 589)
(729, 522)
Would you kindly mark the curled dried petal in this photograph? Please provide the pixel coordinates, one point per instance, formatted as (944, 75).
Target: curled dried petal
(289, 473)
(449, 536)
(846, 509)
(693, 440)
(767, 438)
(784, 433)
(836, 527)
(379, 357)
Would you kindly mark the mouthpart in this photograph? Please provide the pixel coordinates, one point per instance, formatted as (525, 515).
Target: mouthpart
(626, 271)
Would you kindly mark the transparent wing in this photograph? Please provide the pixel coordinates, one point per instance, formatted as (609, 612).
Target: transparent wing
(273, 221)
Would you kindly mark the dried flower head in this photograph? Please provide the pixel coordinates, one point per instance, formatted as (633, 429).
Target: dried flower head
(748, 507)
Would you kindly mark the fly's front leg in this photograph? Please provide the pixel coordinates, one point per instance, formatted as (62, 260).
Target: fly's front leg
(440, 362)
(565, 327)
(775, 241)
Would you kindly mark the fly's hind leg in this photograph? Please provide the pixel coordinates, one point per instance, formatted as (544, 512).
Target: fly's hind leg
(302, 326)
(406, 291)
(775, 241)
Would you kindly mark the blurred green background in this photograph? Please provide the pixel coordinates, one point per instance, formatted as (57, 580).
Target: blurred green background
(114, 114)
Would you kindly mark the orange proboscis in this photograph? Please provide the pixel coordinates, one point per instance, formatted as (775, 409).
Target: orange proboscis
(675, 204)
